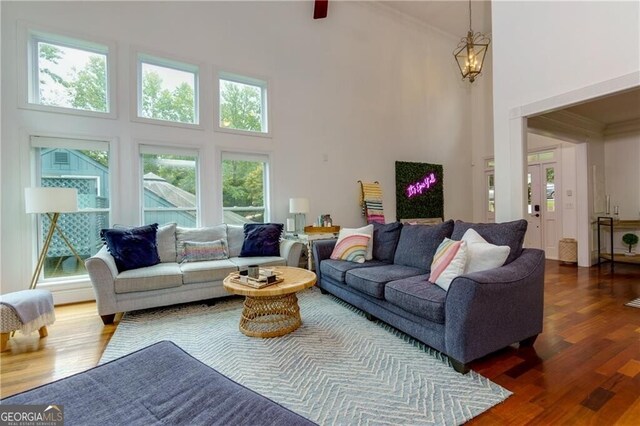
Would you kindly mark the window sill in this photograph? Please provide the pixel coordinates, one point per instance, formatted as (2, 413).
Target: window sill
(67, 111)
(154, 121)
(264, 135)
(71, 290)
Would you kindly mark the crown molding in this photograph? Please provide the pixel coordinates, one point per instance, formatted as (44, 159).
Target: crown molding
(623, 127)
(568, 124)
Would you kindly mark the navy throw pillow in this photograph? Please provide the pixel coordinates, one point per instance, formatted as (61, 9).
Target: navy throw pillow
(501, 234)
(132, 248)
(385, 240)
(418, 244)
(261, 239)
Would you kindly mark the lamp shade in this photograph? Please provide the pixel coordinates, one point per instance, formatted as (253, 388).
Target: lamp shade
(298, 205)
(51, 200)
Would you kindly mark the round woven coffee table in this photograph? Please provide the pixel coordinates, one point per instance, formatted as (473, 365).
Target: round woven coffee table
(272, 311)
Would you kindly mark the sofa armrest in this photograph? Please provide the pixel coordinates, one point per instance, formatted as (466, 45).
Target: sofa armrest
(322, 250)
(489, 310)
(103, 271)
(291, 251)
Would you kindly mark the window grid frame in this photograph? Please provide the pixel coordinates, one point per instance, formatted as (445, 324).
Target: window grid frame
(267, 171)
(151, 149)
(29, 35)
(265, 86)
(38, 143)
(139, 56)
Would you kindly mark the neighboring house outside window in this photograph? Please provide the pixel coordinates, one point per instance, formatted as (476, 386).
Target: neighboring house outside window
(86, 170)
(170, 182)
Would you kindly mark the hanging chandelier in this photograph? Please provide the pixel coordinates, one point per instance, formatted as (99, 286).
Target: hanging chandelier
(470, 52)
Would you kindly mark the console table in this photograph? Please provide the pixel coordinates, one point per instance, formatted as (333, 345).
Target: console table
(605, 222)
(308, 240)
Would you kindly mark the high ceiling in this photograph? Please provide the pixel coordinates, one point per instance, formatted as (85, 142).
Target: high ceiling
(450, 16)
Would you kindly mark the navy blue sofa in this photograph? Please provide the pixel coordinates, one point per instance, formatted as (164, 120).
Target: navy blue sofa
(481, 312)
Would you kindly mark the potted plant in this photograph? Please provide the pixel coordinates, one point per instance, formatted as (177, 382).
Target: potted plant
(631, 240)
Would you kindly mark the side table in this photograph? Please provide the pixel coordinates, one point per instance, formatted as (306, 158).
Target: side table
(308, 240)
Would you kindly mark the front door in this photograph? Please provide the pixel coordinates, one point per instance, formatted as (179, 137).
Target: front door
(533, 238)
(542, 209)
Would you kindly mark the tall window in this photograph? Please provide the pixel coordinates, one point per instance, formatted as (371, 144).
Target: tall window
(169, 186)
(83, 165)
(242, 104)
(245, 187)
(68, 73)
(167, 90)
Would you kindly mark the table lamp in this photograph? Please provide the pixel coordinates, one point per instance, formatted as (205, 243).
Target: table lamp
(299, 207)
(52, 202)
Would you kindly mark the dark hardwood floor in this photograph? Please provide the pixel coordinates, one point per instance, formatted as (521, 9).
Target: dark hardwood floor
(583, 369)
(585, 366)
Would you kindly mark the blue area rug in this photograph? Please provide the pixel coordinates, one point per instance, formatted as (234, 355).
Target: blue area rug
(337, 368)
(157, 385)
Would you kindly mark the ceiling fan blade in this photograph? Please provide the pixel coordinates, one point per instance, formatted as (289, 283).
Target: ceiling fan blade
(320, 9)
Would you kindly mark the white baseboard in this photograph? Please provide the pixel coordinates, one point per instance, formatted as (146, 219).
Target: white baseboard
(74, 292)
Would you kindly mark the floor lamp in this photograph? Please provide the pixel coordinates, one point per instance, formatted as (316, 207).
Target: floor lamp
(52, 202)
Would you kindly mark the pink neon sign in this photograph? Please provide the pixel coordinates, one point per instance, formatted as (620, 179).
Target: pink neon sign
(421, 186)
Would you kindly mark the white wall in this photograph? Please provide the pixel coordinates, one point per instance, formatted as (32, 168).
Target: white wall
(362, 87)
(622, 180)
(544, 50)
(481, 136)
(622, 174)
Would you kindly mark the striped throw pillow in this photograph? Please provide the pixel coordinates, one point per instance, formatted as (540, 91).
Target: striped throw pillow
(352, 248)
(448, 262)
(196, 251)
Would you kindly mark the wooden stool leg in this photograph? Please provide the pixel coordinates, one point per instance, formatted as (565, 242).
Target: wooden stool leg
(43, 331)
(4, 340)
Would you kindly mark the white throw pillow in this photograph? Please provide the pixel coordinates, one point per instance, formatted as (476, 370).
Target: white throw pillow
(448, 262)
(483, 255)
(367, 230)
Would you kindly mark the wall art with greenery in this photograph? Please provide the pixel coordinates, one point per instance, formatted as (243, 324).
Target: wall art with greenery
(419, 190)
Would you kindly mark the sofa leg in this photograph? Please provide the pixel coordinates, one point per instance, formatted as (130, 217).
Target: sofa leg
(108, 319)
(370, 317)
(323, 291)
(460, 367)
(528, 342)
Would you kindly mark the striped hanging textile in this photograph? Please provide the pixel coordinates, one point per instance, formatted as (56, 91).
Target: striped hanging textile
(371, 201)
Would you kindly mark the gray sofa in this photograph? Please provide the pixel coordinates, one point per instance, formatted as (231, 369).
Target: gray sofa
(171, 281)
(481, 312)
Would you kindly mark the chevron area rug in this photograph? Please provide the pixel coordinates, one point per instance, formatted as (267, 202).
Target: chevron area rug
(635, 303)
(338, 368)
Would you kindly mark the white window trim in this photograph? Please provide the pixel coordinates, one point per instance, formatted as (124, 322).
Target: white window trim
(244, 78)
(234, 154)
(169, 61)
(150, 147)
(25, 59)
(76, 142)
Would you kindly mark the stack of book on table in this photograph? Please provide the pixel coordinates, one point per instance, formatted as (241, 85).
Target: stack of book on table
(266, 278)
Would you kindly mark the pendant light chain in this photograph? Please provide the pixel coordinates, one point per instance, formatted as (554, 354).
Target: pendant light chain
(470, 29)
